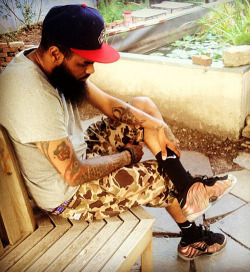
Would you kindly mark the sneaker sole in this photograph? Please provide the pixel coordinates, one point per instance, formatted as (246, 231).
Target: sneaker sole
(194, 216)
(205, 254)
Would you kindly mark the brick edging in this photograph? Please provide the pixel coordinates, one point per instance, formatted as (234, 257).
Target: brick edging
(9, 50)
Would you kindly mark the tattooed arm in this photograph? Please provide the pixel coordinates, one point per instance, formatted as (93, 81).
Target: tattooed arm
(121, 111)
(62, 155)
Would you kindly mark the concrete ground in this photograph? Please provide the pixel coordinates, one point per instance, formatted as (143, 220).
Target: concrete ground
(231, 216)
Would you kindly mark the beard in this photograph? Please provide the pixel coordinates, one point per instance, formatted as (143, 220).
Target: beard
(72, 89)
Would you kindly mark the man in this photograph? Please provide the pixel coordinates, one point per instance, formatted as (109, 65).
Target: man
(97, 174)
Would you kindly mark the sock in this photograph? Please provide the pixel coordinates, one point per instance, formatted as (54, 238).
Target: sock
(190, 232)
(174, 169)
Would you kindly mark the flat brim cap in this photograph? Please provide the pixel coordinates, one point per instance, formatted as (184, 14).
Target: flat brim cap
(81, 29)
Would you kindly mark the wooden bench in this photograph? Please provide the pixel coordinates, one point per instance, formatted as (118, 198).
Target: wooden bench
(32, 240)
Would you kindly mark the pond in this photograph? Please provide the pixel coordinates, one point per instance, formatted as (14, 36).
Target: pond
(190, 46)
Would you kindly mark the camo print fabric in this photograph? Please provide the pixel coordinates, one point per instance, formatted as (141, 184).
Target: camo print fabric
(125, 188)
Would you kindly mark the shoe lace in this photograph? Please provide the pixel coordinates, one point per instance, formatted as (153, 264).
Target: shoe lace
(205, 180)
(209, 236)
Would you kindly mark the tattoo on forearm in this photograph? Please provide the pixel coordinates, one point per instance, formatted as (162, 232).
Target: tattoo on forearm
(169, 135)
(62, 151)
(126, 116)
(92, 169)
(159, 127)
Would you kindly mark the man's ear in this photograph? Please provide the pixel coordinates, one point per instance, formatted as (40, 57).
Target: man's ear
(56, 55)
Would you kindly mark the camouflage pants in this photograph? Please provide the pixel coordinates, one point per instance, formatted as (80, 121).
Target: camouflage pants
(122, 189)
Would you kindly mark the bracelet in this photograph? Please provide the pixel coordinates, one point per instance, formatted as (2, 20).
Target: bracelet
(131, 151)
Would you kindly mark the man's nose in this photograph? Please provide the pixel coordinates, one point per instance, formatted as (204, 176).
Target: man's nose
(90, 69)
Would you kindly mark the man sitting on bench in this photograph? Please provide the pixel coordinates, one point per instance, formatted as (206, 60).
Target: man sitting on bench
(97, 174)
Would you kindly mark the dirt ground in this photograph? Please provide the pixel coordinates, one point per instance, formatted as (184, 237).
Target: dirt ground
(220, 152)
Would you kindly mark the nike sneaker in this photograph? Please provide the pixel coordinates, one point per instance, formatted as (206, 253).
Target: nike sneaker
(203, 192)
(209, 243)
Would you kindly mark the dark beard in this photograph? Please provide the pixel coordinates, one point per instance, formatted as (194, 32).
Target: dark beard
(73, 90)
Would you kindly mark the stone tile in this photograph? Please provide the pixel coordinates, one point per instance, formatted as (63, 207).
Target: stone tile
(165, 257)
(227, 204)
(237, 225)
(242, 187)
(243, 160)
(164, 222)
(233, 258)
(196, 163)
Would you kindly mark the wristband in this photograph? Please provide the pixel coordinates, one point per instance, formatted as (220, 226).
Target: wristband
(131, 151)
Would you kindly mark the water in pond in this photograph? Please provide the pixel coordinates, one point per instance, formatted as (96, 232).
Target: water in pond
(190, 46)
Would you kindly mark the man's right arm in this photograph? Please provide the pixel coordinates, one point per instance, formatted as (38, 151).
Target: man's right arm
(63, 157)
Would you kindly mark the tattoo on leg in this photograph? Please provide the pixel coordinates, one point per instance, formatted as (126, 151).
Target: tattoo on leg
(126, 116)
(62, 151)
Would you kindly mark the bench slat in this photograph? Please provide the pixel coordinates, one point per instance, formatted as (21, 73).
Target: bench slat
(58, 248)
(133, 246)
(95, 245)
(39, 249)
(76, 247)
(112, 245)
(17, 253)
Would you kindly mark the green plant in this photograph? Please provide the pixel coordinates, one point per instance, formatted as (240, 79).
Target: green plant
(26, 7)
(229, 22)
(114, 9)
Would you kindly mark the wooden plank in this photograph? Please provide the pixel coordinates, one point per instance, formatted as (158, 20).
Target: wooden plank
(132, 248)
(58, 248)
(39, 249)
(147, 258)
(141, 213)
(9, 248)
(7, 210)
(11, 178)
(95, 245)
(42, 220)
(1, 248)
(76, 247)
(58, 220)
(112, 245)
(16, 254)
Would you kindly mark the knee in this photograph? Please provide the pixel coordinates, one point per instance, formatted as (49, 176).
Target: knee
(143, 103)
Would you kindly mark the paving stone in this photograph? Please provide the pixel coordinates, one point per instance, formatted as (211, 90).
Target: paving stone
(237, 225)
(165, 257)
(164, 222)
(227, 204)
(233, 258)
(196, 163)
(242, 187)
(243, 159)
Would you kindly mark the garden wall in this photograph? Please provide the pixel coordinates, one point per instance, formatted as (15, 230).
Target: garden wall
(210, 99)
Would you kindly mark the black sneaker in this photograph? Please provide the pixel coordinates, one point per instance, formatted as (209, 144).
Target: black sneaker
(202, 193)
(210, 243)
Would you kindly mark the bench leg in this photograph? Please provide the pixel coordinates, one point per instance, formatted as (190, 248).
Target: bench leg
(147, 258)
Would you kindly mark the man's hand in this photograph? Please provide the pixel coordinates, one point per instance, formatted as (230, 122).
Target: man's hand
(166, 139)
(135, 152)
